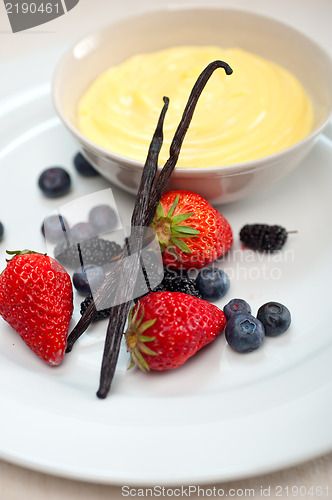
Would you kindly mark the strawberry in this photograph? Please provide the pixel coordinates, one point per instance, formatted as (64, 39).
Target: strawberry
(191, 232)
(36, 299)
(167, 328)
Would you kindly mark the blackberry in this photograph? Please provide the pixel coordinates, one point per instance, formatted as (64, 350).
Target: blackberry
(263, 237)
(102, 314)
(176, 281)
(94, 251)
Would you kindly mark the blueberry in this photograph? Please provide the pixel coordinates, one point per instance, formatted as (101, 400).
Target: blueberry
(54, 182)
(212, 283)
(54, 228)
(244, 332)
(275, 317)
(83, 167)
(235, 306)
(82, 231)
(2, 230)
(103, 218)
(88, 279)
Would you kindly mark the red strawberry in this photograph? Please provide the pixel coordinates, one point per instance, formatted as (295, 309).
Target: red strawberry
(36, 299)
(191, 233)
(167, 328)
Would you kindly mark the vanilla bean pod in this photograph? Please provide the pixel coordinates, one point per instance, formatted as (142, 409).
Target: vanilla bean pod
(128, 269)
(180, 133)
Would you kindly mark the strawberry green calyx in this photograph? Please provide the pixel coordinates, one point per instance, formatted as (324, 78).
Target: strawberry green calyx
(136, 340)
(15, 253)
(168, 229)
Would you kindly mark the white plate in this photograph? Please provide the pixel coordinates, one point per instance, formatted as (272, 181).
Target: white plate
(222, 415)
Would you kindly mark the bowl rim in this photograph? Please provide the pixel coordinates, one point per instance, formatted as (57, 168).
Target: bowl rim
(130, 163)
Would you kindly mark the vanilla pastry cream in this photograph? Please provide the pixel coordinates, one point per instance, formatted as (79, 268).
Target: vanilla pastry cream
(258, 110)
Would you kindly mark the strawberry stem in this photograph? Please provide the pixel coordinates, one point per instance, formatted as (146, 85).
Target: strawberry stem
(15, 253)
(136, 342)
(168, 230)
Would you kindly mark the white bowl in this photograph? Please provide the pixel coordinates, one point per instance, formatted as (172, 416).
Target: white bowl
(168, 27)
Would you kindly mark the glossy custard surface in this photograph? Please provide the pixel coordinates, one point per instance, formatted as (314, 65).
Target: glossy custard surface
(258, 110)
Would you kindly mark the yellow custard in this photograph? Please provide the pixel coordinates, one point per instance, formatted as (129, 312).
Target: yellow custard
(258, 110)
